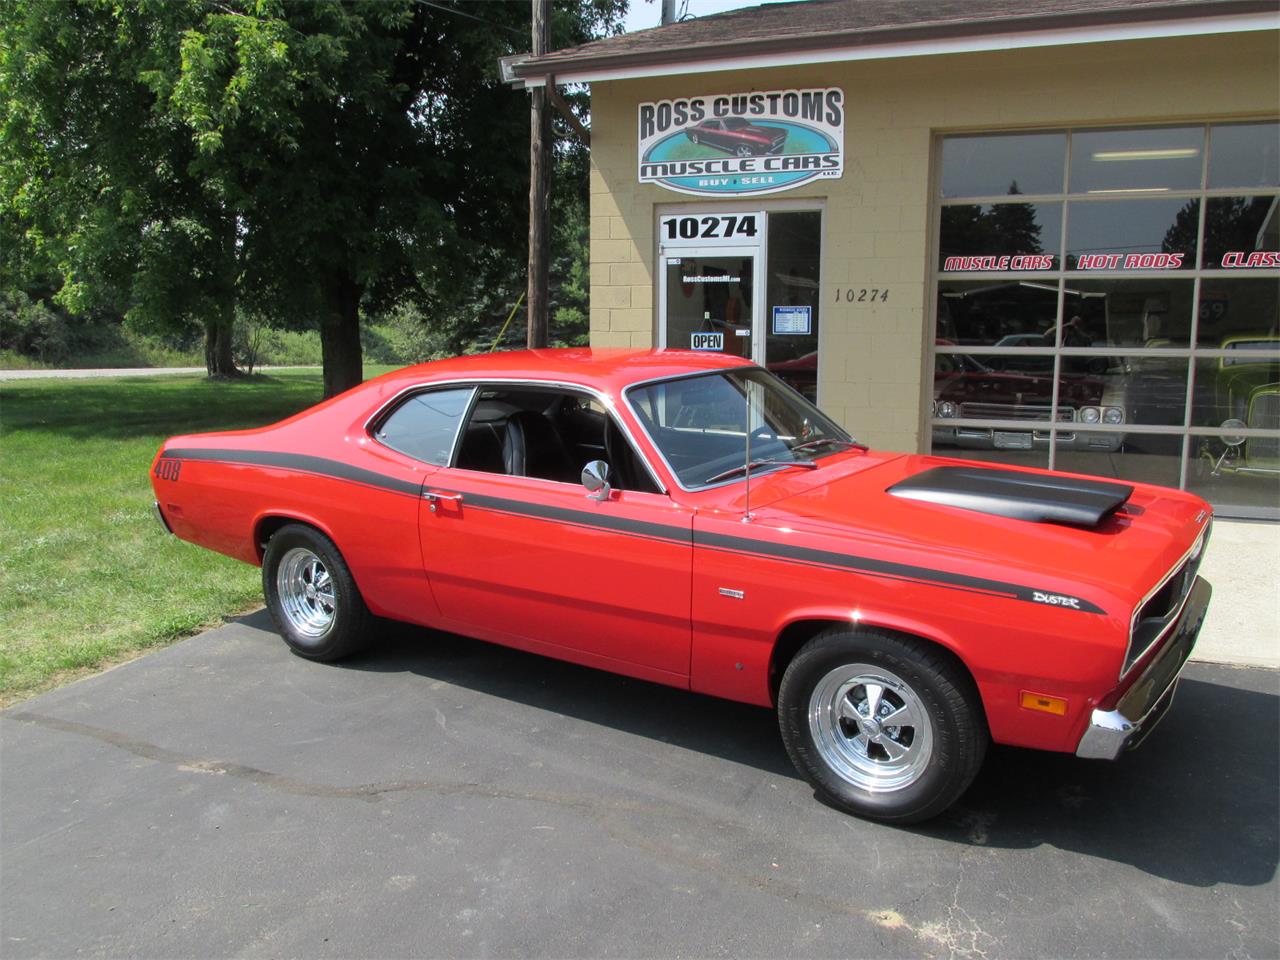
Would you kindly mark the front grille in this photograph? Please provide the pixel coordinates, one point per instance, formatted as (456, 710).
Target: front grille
(1264, 414)
(1152, 620)
(1012, 411)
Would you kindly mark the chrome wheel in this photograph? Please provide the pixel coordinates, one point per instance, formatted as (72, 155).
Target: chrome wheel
(306, 592)
(743, 151)
(870, 727)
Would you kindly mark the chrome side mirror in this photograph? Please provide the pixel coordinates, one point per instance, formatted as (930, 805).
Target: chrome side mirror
(595, 477)
(1233, 439)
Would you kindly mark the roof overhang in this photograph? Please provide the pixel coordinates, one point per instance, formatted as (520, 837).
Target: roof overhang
(898, 42)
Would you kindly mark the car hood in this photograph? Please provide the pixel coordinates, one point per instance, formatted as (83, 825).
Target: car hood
(849, 507)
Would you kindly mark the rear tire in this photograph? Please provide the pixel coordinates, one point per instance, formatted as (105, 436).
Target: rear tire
(882, 726)
(312, 596)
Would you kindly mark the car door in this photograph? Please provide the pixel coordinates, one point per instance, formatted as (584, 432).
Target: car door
(538, 563)
(715, 134)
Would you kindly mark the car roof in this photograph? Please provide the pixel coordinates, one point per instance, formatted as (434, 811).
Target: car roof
(609, 369)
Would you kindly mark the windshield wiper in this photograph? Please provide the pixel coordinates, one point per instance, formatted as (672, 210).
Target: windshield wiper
(823, 441)
(744, 467)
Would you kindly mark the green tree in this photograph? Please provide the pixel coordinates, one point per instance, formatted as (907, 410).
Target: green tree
(1014, 226)
(97, 182)
(313, 160)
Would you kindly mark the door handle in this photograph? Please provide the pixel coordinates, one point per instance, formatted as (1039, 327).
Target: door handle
(435, 498)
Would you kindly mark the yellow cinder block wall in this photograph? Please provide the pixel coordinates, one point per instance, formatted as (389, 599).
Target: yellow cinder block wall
(872, 361)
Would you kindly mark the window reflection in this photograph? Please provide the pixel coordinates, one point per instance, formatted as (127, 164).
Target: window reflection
(1000, 236)
(1146, 312)
(1241, 233)
(1244, 386)
(1131, 390)
(1233, 311)
(1161, 158)
(791, 337)
(1116, 393)
(997, 314)
(1143, 458)
(1133, 235)
(1237, 472)
(1128, 280)
(1244, 155)
(986, 166)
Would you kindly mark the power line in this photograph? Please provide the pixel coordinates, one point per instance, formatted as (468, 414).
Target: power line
(471, 16)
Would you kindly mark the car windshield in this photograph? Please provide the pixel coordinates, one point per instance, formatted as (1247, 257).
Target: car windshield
(735, 123)
(701, 425)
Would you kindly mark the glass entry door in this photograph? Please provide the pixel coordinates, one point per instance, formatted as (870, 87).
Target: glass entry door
(744, 283)
(710, 301)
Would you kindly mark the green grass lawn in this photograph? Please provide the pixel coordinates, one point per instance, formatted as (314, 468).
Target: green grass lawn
(87, 576)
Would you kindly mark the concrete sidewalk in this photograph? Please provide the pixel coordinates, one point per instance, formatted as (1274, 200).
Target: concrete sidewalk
(1243, 566)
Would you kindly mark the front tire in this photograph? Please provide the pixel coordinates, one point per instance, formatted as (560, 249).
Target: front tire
(882, 726)
(312, 596)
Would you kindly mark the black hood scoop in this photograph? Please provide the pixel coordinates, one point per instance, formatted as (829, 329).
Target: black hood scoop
(1020, 496)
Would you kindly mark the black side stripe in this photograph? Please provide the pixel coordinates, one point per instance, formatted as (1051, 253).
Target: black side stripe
(658, 531)
(886, 568)
(583, 518)
(302, 462)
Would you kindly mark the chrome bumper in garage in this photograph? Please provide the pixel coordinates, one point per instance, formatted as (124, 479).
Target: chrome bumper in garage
(1110, 732)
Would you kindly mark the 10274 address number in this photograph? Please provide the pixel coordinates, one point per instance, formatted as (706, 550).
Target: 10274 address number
(862, 294)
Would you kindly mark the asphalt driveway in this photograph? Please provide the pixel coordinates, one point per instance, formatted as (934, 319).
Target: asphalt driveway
(442, 797)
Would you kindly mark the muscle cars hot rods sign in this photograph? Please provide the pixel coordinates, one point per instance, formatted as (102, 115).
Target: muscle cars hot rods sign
(742, 143)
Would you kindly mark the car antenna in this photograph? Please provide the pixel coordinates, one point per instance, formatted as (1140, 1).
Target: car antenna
(746, 513)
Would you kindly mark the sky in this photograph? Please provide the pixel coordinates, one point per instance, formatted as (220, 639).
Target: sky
(646, 13)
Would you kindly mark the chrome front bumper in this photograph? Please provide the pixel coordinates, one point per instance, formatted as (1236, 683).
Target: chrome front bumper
(1111, 732)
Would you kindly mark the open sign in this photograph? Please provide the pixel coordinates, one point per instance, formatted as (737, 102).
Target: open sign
(706, 341)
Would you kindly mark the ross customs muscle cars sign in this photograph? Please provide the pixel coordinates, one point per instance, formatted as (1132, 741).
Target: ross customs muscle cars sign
(742, 144)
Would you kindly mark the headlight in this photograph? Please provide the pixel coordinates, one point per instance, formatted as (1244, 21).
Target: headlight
(1089, 415)
(946, 408)
(1112, 415)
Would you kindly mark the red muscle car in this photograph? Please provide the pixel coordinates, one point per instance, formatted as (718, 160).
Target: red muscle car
(739, 137)
(687, 518)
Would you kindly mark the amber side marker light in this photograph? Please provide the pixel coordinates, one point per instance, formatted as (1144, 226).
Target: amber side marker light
(1038, 701)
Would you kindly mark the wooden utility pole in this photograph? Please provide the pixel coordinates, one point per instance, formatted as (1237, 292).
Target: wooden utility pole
(539, 189)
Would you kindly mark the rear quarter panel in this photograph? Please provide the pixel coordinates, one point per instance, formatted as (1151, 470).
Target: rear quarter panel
(319, 468)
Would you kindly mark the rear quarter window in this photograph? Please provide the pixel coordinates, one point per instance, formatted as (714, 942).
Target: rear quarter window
(424, 425)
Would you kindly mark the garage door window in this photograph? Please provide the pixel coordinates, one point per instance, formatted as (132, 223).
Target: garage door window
(1107, 302)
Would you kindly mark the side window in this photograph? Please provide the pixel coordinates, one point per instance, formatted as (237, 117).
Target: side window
(424, 425)
(546, 434)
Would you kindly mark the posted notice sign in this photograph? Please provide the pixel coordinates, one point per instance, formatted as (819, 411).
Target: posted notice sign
(742, 144)
(792, 321)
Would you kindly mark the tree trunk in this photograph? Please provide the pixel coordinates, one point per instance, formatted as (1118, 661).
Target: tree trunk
(217, 344)
(340, 337)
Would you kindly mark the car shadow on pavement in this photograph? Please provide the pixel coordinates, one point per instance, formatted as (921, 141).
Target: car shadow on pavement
(1198, 804)
(722, 728)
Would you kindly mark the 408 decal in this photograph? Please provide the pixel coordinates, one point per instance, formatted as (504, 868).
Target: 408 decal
(168, 469)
